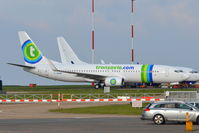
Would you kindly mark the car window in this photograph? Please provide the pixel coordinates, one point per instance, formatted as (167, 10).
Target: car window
(159, 106)
(197, 105)
(192, 106)
(167, 105)
(170, 105)
(182, 106)
(149, 105)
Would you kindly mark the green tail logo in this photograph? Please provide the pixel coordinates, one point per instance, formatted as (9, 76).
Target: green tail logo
(31, 53)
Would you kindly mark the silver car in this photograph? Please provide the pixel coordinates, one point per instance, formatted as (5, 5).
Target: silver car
(161, 112)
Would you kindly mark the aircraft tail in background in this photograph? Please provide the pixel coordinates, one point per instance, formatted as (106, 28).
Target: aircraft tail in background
(66, 52)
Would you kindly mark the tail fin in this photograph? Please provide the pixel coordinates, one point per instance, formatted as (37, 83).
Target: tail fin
(32, 54)
(66, 52)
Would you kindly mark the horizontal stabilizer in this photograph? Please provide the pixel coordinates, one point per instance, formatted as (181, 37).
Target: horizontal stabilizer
(19, 65)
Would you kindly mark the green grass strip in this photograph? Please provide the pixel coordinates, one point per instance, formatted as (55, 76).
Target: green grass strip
(86, 89)
(124, 109)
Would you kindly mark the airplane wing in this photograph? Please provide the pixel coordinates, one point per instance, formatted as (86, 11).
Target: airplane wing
(19, 65)
(85, 75)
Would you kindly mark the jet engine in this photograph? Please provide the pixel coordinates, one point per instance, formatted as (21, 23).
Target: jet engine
(114, 81)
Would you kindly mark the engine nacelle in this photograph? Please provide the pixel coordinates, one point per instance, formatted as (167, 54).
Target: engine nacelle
(114, 81)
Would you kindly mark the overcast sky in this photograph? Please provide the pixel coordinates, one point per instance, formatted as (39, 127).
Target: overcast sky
(166, 32)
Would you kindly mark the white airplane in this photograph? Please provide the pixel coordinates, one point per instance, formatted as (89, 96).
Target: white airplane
(109, 75)
(68, 55)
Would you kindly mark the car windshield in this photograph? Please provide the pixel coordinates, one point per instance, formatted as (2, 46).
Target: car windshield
(178, 71)
(196, 108)
(197, 105)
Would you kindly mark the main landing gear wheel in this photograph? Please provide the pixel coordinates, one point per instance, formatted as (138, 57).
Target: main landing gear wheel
(97, 86)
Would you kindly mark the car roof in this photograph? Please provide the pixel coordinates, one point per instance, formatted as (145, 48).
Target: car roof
(192, 102)
(164, 102)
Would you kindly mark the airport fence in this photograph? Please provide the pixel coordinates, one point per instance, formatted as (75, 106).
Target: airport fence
(50, 98)
(25, 96)
(113, 96)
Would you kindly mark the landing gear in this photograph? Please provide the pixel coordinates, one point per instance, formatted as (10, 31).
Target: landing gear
(99, 85)
(102, 85)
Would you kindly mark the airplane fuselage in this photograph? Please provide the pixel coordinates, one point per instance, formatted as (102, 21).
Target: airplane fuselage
(130, 73)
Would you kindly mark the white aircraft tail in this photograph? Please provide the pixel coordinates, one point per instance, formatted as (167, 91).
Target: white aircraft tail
(66, 52)
(32, 54)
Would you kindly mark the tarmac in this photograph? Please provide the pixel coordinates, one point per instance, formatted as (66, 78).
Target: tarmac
(88, 125)
(35, 118)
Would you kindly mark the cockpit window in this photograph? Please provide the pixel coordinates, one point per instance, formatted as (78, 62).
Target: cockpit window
(178, 71)
(193, 71)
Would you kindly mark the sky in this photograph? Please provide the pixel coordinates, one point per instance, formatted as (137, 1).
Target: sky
(166, 32)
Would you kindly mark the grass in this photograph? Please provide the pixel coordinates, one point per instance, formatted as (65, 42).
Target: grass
(85, 89)
(45, 88)
(121, 109)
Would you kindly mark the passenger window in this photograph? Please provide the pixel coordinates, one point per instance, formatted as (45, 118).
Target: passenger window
(197, 105)
(183, 106)
(160, 106)
(170, 105)
(157, 106)
(176, 71)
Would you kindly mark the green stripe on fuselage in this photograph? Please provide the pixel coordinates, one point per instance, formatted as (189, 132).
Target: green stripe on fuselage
(144, 73)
